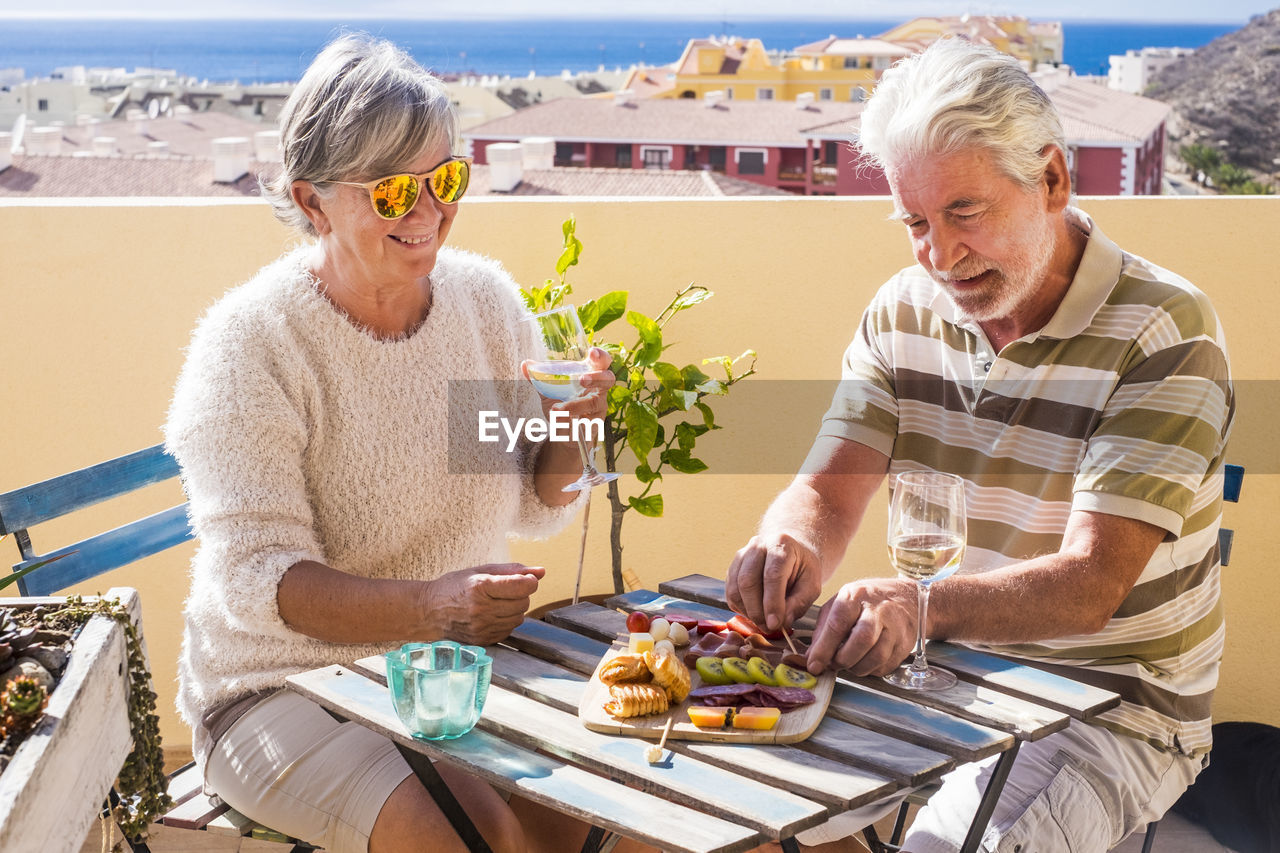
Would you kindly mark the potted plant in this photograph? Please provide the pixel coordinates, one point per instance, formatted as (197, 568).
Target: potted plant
(657, 410)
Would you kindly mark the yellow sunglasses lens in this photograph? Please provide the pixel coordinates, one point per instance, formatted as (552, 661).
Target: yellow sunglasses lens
(449, 181)
(393, 197)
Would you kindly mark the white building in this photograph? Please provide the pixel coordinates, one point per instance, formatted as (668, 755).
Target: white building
(1134, 71)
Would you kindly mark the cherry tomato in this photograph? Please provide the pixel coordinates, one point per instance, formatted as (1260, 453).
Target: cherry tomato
(637, 622)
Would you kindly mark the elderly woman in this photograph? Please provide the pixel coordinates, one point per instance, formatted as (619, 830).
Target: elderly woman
(335, 517)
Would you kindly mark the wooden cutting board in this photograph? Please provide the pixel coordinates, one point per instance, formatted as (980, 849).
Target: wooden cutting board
(792, 726)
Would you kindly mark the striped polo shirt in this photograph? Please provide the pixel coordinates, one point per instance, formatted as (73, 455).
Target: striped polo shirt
(1121, 404)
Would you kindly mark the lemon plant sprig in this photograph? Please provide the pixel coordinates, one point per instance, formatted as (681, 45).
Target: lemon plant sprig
(657, 410)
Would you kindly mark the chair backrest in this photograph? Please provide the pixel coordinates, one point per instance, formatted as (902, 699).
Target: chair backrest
(1232, 480)
(23, 508)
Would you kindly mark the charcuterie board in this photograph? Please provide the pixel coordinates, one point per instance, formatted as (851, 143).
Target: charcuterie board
(792, 726)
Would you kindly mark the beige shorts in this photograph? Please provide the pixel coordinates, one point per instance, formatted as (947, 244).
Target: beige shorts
(289, 765)
(1080, 790)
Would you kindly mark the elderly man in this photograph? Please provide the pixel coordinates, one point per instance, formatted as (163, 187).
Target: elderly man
(1084, 396)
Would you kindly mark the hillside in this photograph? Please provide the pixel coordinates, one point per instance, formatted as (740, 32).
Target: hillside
(1227, 94)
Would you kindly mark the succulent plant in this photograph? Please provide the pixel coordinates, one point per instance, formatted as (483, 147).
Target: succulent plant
(21, 705)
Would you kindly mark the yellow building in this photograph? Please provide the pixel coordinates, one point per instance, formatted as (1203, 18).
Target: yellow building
(831, 70)
(834, 69)
(1035, 43)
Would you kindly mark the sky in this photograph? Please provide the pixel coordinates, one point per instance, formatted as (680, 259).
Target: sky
(1224, 11)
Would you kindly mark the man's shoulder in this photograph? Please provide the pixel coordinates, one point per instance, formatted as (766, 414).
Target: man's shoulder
(1148, 288)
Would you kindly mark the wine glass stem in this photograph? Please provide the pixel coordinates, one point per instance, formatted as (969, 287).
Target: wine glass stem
(920, 664)
(584, 450)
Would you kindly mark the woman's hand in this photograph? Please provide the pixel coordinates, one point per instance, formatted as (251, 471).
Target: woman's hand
(479, 605)
(560, 462)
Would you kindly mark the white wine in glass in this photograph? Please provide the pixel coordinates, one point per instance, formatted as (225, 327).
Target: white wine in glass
(926, 544)
(556, 373)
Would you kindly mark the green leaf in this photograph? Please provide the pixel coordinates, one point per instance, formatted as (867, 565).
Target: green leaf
(687, 434)
(695, 296)
(650, 349)
(682, 461)
(642, 428)
(619, 396)
(708, 416)
(645, 474)
(612, 306)
(8, 580)
(588, 315)
(569, 256)
(669, 374)
(650, 506)
(568, 227)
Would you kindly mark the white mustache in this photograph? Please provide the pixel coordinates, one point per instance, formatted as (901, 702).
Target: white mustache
(954, 274)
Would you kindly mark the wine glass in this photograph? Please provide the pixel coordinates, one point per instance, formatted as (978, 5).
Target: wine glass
(556, 374)
(926, 543)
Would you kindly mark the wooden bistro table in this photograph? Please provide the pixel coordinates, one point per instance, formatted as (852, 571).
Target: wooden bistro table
(705, 797)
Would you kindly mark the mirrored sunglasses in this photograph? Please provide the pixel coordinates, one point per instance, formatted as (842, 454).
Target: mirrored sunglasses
(394, 196)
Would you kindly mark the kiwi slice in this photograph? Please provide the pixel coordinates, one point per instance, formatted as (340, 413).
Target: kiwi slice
(789, 676)
(711, 670)
(737, 669)
(761, 672)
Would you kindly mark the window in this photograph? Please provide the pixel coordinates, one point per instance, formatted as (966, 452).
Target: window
(764, 94)
(716, 158)
(728, 93)
(622, 156)
(851, 62)
(751, 160)
(655, 158)
(564, 154)
(826, 95)
(829, 153)
(42, 105)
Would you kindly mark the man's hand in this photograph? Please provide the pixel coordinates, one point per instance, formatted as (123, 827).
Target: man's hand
(480, 605)
(868, 628)
(773, 579)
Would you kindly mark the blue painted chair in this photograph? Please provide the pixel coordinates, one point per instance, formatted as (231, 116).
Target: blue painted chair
(47, 572)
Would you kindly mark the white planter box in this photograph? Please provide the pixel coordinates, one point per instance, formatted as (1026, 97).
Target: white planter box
(53, 789)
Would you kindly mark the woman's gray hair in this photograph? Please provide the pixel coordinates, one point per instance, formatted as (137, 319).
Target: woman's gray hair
(958, 95)
(363, 110)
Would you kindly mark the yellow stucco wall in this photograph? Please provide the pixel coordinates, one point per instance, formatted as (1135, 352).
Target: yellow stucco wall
(97, 299)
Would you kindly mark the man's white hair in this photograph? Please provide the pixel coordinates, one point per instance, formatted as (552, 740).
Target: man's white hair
(958, 95)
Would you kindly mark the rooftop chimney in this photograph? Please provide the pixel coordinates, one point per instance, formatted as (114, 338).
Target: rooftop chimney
(266, 147)
(506, 165)
(804, 100)
(44, 140)
(6, 155)
(713, 99)
(230, 158)
(622, 97)
(539, 152)
(158, 148)
(104, 146)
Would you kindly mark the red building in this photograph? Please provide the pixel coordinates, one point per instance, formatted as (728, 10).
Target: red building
(1115, 140)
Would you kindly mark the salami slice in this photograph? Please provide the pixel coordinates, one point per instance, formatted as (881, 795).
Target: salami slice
(723, 694)
(786, 698)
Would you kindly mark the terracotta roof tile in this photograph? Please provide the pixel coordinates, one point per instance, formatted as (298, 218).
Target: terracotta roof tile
(76, 177)
(1092, 112)
(684, 121)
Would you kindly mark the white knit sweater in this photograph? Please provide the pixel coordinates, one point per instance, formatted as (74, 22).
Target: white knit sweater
(303, 437)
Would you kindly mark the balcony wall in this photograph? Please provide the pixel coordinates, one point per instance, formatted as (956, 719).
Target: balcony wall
(97, 299)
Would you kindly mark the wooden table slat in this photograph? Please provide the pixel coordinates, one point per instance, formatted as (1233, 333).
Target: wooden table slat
(537, 777)
(1074, 698)
(908, 721)
(813, 776)
(910, 764)
(558, 645)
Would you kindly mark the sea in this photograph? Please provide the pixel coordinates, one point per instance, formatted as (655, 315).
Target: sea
(265, 51)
